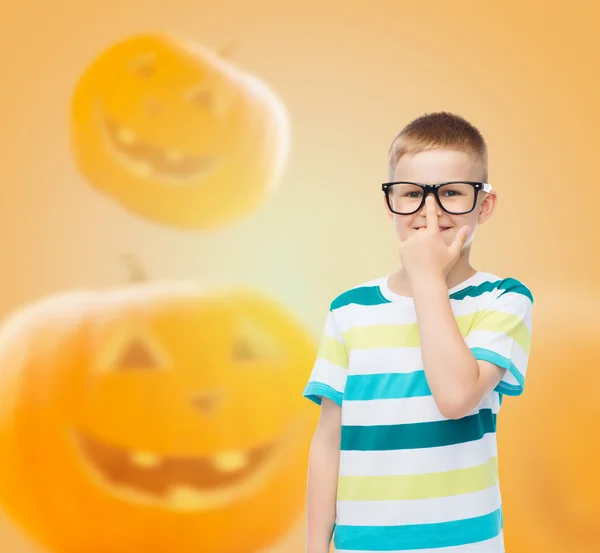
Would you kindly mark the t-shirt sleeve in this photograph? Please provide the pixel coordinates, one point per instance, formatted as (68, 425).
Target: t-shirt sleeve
(328, 376)
(501, 334)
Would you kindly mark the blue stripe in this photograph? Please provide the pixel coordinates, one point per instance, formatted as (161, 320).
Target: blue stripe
(386, 386)
(316, 390)
(365, 295)
(513, 285)
(419, 536)
(505, 363)
(506, 285)
(418, 435)
(475, 290)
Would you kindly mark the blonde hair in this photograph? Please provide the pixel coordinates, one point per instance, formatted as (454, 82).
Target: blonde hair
(438, 130)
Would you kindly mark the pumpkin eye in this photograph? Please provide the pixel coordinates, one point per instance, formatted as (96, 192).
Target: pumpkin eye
(254, 343)
(130, 350)
(202, 97)
(137, 356)
(244, 351)
(144, 66)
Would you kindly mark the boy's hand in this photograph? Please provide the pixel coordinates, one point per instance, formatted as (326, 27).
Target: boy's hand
(424, 253)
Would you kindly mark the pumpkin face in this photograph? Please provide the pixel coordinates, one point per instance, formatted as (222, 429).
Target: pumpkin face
(176, 134)
(154, 418)
(548, 460)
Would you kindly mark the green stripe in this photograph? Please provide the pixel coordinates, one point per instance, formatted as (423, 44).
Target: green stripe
(334, 351)
(395, 335)
(365, 295)
(407, 335)
(419, 486)
(418, 435)
(500, 321)
(419, 536)
(506, 285)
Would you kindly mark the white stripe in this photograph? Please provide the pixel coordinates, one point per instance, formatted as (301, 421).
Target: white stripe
(418, 461)
(510, 379)
(409, 359)
(392, 313)
(326, 372)
(418, 511)
(385, 360)
(494, 545)
(403, 410)
(385, 313)
(331, 327)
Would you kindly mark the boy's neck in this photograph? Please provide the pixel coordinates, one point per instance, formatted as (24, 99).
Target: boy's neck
(461, 271)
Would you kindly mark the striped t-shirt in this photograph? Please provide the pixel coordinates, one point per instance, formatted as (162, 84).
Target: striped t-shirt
(409, 478)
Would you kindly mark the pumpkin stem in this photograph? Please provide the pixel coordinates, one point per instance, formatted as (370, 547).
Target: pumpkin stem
(136, 271)
(225, 51)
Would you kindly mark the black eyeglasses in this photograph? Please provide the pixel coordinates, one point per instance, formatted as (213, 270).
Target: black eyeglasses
(454, 197)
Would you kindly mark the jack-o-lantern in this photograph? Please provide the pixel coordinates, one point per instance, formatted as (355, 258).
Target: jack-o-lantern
(154, 418)
(547, 442)
(176, 133)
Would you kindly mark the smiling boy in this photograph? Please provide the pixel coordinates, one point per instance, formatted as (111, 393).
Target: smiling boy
(413, 367)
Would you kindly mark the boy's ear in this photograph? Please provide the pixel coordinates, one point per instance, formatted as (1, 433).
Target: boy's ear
(389, 214)
(487, 206)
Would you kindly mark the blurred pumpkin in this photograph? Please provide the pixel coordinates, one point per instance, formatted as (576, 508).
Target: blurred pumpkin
(154, 418)
(175, 133)
(548, 438)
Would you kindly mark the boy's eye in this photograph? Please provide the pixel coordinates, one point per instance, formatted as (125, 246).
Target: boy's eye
(453, 193)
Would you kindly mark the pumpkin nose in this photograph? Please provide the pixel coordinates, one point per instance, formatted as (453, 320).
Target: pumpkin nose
(153, 107)
(207, 402)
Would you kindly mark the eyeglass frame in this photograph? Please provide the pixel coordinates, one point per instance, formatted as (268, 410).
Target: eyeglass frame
(483, 186)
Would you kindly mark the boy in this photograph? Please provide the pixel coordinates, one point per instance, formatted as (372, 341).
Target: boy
(413, 366)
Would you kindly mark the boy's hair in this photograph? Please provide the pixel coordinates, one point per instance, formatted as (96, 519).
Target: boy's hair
(438, 130)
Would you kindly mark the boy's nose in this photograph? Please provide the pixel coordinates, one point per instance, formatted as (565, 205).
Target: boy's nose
(438, 209)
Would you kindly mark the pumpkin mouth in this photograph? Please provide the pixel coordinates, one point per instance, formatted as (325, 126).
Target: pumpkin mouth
(146, 160)
(179, 483)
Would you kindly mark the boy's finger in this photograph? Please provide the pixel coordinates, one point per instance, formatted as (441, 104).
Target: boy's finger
(432, 220)
(458, 242)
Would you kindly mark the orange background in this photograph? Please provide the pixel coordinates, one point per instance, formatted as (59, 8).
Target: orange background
(351, 75)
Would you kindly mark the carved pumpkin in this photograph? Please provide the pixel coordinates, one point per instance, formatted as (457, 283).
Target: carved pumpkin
(177, 134)
(548, 459)
(154, 418)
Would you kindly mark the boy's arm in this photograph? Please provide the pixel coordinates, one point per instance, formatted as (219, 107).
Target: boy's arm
(323, 470)
(458, 382)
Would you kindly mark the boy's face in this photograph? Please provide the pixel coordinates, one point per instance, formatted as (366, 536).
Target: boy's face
(434, 167)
